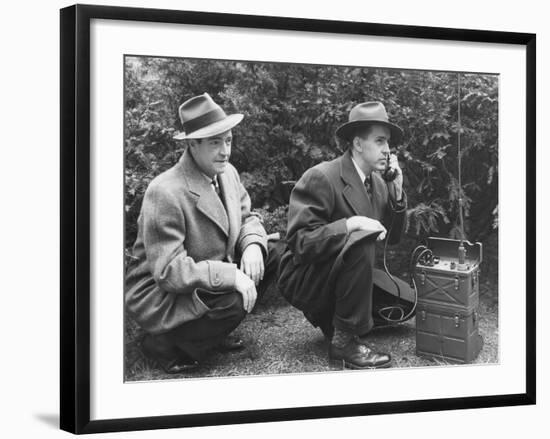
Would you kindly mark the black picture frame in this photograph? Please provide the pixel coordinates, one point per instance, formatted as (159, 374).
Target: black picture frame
(75, 217)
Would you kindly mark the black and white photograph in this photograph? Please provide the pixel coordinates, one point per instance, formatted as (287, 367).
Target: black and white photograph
(286, 218)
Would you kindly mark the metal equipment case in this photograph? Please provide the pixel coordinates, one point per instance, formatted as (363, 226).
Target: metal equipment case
(447, 324)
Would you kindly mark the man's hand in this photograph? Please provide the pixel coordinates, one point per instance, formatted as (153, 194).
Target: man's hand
(252, 263)
(245, 286)
(366, 224)
(396, 186)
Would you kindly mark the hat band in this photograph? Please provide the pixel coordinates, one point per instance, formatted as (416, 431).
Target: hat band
(203, 120)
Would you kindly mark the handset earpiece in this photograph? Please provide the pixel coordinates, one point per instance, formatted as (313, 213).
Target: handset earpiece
(389, 173)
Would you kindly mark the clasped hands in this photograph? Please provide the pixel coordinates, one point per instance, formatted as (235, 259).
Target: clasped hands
(249, 274)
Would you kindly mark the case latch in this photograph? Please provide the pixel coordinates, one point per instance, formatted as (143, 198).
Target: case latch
(457, 321)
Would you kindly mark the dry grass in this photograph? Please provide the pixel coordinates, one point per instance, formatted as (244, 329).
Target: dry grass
(280, 340)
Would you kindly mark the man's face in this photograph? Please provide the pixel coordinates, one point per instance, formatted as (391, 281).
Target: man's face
(371, 151)
(212, 154)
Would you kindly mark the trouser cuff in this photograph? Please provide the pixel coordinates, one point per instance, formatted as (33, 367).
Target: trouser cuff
(354, 329)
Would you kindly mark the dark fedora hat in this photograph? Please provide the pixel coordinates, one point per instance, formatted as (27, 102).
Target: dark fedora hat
(201, 117)
(369, 113)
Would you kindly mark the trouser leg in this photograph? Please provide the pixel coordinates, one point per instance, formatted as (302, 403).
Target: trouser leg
(196, 337)
(353, 289)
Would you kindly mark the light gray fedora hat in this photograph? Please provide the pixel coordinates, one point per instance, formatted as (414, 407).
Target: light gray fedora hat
(201, 117)
(369, 113)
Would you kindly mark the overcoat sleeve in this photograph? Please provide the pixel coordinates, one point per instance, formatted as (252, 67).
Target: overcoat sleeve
(252, 231)
(164, 230)
(311, 234)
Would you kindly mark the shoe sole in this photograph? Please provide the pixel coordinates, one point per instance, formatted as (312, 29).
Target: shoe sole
(182, 369)
(343, 364)
(151, 356)
(227, 350)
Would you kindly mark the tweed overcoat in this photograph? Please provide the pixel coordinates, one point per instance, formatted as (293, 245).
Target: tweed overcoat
(317, 237)
(187, 241)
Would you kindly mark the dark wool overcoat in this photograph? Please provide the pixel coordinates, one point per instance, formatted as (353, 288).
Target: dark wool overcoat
(317, 237)
(187, 240)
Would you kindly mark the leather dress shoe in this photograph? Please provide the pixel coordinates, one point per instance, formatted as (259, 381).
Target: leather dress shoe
(230, 344)
(179, 362)
(356, 355)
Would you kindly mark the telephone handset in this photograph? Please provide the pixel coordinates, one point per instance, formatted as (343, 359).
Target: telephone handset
(389, 173)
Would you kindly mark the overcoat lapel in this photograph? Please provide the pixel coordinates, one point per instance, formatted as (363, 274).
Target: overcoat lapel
(354, 190)
(208, 202)
(232, 206)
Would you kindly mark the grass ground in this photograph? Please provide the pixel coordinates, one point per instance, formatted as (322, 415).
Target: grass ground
(280, 340)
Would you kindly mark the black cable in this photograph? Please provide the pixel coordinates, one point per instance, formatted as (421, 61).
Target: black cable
(386, 312)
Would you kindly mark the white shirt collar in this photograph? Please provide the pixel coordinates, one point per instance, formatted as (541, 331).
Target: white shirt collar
(362, 175)
(210, 179)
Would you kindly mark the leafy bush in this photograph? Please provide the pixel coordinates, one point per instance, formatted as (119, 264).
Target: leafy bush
(291, 112)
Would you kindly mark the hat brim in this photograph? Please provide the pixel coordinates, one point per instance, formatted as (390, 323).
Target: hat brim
(213, 129)
(396, 133)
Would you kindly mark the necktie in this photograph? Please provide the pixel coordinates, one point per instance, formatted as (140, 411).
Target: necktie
(214, 183)
(216, 186)
(368, 185)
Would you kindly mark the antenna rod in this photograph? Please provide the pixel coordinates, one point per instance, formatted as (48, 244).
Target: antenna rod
(461, 249)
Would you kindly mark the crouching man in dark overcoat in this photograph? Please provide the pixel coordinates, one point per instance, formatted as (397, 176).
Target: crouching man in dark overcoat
(337, 212)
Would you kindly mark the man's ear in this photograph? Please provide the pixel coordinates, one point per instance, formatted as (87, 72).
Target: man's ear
(356, 144)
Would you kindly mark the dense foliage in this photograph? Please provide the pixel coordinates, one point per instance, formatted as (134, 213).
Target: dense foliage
(291, 112)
